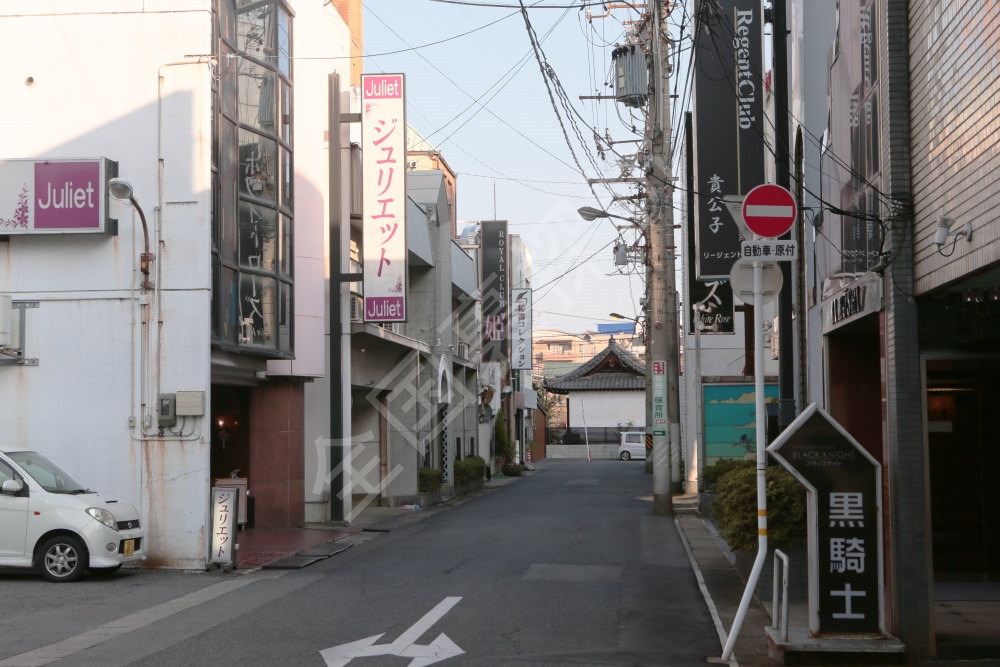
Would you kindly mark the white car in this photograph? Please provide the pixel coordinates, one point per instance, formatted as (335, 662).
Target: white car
(632, 445)
(50, 522)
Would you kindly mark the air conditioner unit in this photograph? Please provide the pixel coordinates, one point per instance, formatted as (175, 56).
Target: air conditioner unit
(463, 350)
(357, 308)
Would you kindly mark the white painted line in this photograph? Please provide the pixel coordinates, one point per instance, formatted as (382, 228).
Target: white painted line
(764, 211)
(405, 646)
(122, 626)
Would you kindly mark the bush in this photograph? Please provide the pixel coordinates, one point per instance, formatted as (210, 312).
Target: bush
(735, 507)
(430, 480)
(470, 469)
(511, 469)
(710, 475)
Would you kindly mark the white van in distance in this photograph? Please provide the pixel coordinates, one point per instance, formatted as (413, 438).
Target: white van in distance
(50, 522)
(632, 445)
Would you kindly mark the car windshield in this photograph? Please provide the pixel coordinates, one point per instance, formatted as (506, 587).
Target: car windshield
(51, 477)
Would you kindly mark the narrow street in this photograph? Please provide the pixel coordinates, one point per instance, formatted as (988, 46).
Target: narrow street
(563, 566)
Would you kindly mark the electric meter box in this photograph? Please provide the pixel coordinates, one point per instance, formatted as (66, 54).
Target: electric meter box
(190, 403)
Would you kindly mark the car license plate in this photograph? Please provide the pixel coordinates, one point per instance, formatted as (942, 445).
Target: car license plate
(128, 547)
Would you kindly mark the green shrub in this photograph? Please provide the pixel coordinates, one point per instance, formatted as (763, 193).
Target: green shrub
(711, 474)
(735, 507)
(470, 469)
(430, 480)
(511, 469)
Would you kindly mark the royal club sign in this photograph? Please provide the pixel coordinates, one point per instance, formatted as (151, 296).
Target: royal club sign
(494, 285)
(55, 196)
(383, 132)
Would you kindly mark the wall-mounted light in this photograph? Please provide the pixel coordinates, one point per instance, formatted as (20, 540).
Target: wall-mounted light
(944, 231)
(121, 189)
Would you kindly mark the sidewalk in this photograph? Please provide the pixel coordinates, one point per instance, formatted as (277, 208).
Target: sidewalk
(292, 548)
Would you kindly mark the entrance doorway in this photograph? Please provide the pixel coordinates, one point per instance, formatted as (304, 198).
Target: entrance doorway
(963, 432)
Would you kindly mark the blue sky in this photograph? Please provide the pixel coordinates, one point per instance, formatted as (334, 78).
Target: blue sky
(475, 90)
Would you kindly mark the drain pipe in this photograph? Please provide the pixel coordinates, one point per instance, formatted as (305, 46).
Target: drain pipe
(758, 355)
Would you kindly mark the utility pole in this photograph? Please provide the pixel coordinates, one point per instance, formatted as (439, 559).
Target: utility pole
(661, 321)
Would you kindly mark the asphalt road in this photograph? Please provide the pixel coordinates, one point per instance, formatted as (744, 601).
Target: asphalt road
(565, 566)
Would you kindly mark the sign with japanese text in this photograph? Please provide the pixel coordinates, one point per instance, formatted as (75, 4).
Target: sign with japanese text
(769, 249)
(659, 397)
(845, 516)
(383, 132)
(225, 510)
(58, 196)
(520, 329)
(495, 289)
(729, 128)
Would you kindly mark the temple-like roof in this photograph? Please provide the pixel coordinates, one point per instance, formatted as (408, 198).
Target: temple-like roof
(611, 369)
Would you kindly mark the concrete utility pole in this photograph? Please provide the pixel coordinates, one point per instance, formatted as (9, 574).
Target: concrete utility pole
(661, 321)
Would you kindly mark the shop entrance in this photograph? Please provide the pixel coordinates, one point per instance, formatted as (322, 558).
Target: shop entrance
(963, 432)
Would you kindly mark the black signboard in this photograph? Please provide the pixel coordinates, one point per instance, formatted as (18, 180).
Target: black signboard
(729, 91)
(845, 521)
(717, 314)
(495, 289)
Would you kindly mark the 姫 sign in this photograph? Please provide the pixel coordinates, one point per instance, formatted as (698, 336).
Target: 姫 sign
(55, 196)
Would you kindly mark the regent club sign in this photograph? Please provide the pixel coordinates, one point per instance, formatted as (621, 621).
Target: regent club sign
(57, 196)
(383, 132)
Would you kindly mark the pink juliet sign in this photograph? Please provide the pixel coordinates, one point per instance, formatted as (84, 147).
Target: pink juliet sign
(383, 133)
(53, 196)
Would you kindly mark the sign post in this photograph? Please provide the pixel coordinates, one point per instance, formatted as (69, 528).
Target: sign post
(844, 483)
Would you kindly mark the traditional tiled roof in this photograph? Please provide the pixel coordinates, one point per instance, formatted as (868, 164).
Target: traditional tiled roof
(611, 369)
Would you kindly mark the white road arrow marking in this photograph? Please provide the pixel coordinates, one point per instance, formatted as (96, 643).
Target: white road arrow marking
(404, 646)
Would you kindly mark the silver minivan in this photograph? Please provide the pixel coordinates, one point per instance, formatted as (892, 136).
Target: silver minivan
(632, 445)
(51, 522)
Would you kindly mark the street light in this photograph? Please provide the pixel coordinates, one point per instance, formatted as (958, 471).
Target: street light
(589, 213)
(121, 189)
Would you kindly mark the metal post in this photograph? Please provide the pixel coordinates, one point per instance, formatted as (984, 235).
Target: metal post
(786, 331)
(758, 564)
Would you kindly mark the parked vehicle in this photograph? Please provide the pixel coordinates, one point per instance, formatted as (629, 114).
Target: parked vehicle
(632, 445)
(51, 522)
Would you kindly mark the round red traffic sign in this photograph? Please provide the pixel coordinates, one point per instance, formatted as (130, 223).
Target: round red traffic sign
(769, 210)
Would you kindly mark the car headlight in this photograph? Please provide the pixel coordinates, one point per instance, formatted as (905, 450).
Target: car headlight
(104, 516)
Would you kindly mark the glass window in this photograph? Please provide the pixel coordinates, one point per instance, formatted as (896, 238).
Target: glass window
(284, 43)
(258, 165)
(258, 237)
(258, 311)
(253, 268)
(258, 104)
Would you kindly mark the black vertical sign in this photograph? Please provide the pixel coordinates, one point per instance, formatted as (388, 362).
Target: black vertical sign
(845, 482)
(729, 125)
(495, 289)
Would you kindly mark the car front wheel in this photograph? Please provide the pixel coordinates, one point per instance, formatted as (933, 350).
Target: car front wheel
(624, 456)
(63, 558)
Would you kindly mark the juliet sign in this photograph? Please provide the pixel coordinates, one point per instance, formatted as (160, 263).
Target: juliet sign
(383, 131)
(57, 196)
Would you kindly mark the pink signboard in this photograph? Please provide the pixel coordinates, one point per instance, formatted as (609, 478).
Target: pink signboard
(383, 132)
(53, 196)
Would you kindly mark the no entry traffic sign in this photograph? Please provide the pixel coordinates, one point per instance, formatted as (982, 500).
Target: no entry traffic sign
(769, 210)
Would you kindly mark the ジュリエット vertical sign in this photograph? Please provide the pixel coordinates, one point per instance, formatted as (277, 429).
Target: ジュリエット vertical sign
(494, 285)
(383, 133)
